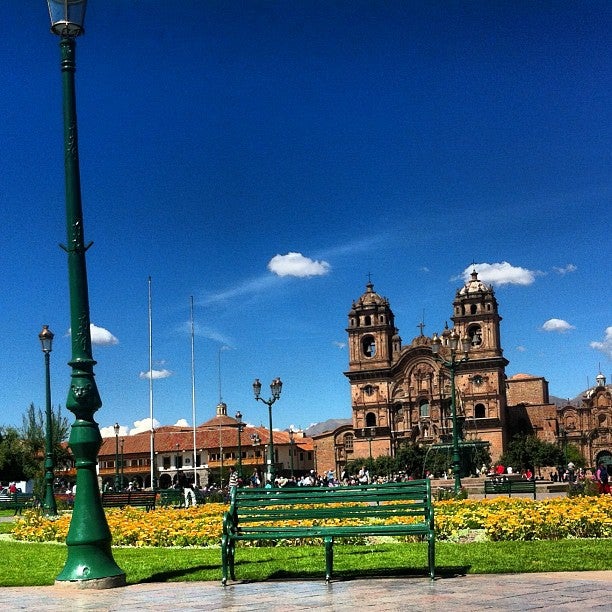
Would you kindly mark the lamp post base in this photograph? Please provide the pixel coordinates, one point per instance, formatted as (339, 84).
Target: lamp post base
(112, 582)
(91, 566)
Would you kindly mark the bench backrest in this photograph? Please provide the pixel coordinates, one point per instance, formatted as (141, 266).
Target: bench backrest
(129, 497)
(412, 498)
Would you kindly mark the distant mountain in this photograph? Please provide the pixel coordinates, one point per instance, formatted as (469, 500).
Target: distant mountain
(574, 401)
(329, 425)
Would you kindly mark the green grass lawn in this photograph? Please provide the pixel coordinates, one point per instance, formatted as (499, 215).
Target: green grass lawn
(26, 564)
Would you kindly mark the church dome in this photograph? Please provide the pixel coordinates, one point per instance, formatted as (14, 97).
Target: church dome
(474, 286)
(371, 298)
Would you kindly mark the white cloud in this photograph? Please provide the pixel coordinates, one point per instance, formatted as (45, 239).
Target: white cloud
(139, 427)
(143, 425)
(566, 269)
(557, 325)
(212, 334)
(520, 349)
(155, 374)
(248, 287)
(181, 423)
(501, 273)
(340, 345)
(109, 432)
(604, 347)
(100, 336)
(296, 264)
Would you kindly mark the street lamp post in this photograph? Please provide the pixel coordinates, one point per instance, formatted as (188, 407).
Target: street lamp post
(275, 387)
(116, 428)
(452, 366)
(368, 437)
(256, 441)
(291, 448)
(90, 560)
(240, 425)
(49, 505)
(122, 464)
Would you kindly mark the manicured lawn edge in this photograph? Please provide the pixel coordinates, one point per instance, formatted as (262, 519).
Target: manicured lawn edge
(35, 564)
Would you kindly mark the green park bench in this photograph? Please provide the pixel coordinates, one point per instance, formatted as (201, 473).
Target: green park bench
(286, 513)
(18, 501)
(171, 497)
(136, 499)
(510, 486)
(175, 498)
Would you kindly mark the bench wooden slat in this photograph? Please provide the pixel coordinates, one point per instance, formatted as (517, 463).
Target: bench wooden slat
(18, 501)
(509, 487)
(285, 513)
(140, 499)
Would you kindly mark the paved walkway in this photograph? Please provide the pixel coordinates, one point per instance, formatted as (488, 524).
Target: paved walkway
(546, 591)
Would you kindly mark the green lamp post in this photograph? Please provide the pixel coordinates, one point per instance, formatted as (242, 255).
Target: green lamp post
(452, 365)
(240, 426)
(49, 506)
(256, 442)
(90, 562)
(291, 449)
(276, 387)
(117, 428)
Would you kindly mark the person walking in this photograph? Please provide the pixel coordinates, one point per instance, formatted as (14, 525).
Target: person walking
(233, 479)
(602, 478)
(188, 491)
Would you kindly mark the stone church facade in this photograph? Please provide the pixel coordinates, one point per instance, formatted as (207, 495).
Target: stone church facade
(401, 392)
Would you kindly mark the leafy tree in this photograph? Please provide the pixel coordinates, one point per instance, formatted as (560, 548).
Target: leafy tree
(11, 455)
(572, 454)
(528, 451)
(410, 458)
(22, 451)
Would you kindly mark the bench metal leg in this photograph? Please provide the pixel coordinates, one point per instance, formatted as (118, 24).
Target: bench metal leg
(232, 554)
(329, 557)
(431, 554)
(224, 560)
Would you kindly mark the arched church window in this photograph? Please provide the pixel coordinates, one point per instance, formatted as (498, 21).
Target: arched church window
(368, 390)
(480, 412)
(368, 320)
(368, 346)
(370, 419)
(424, 408)
(473, 309)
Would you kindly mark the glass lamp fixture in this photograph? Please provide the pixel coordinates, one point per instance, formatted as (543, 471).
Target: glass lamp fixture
(67, 17)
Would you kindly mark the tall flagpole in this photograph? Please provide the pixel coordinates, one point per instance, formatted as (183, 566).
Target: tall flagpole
(193, 400)
(152, 430)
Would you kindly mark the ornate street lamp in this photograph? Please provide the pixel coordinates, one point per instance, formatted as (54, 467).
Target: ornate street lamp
(276, 387)
(90, 560)
(117, 486)
(240, 426)
(452, 366)
(291, 448)
(256, 442)
(49, 505)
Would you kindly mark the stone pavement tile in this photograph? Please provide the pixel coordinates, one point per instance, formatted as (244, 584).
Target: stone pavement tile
(569, 591)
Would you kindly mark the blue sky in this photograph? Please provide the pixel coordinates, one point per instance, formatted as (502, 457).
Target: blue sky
(265, 157)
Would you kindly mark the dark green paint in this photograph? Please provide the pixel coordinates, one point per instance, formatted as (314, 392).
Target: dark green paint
(89, 537)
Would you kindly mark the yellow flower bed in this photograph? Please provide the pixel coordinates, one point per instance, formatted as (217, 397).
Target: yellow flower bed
(526, 519)
(499, 518)
(199, 526)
